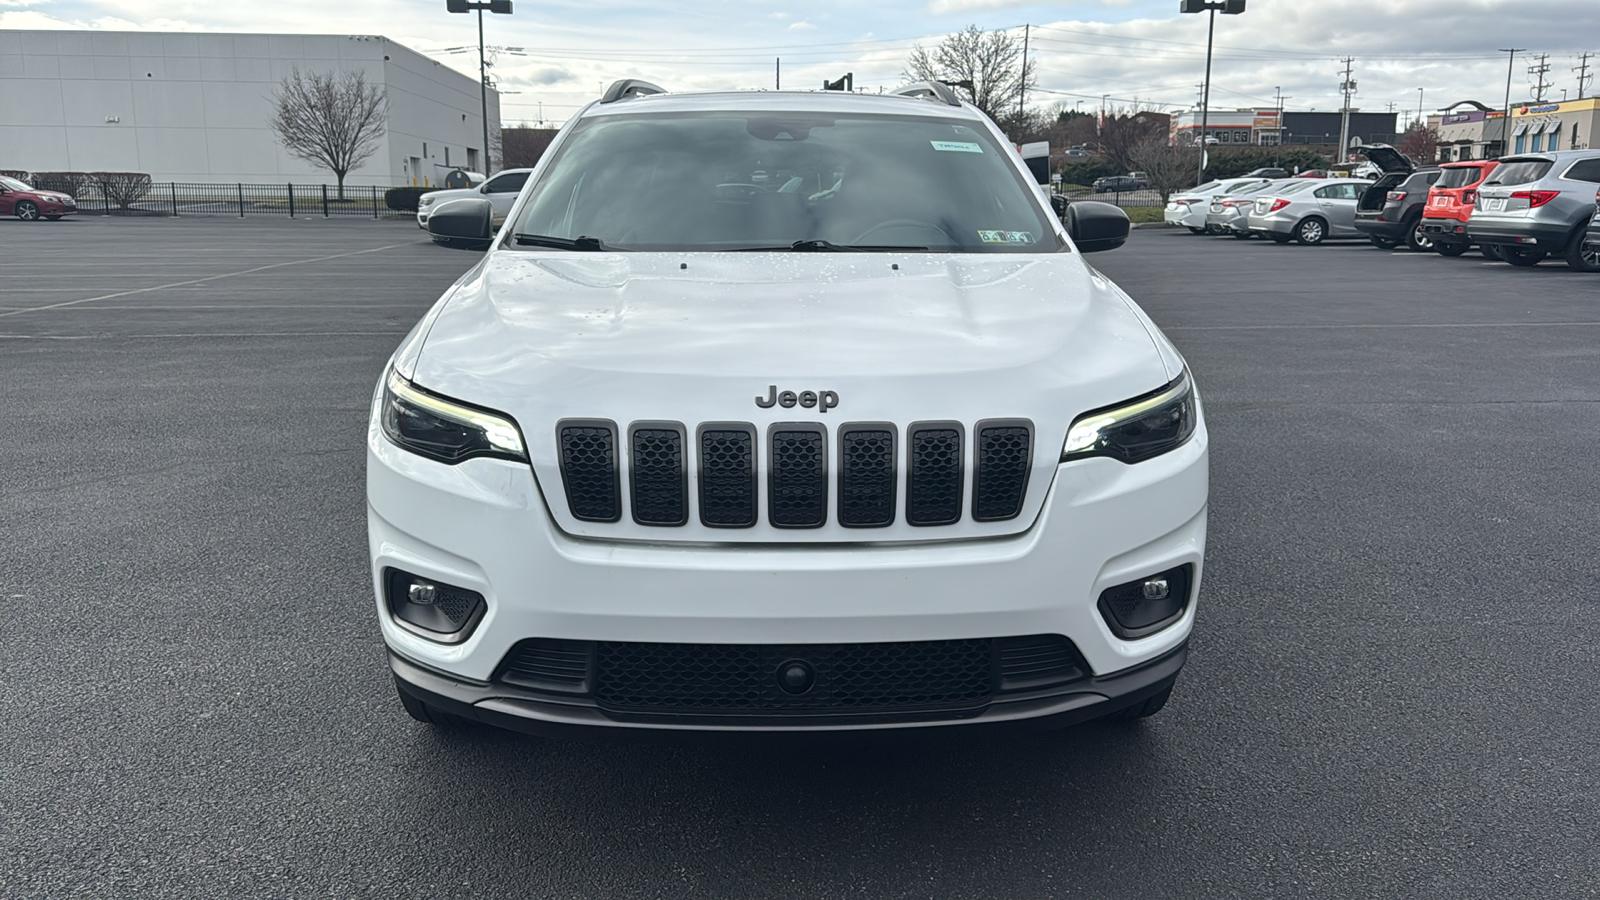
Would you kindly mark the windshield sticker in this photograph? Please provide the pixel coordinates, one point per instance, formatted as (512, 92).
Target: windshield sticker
(956, 146)
(1005, 237)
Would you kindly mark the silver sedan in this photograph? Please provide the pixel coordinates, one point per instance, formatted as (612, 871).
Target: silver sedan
(1228, 212)
(1308, 210)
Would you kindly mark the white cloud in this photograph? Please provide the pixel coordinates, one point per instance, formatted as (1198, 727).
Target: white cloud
(780, 16)
(802, 26)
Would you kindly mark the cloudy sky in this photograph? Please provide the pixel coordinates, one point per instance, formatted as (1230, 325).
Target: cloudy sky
(1131, 50)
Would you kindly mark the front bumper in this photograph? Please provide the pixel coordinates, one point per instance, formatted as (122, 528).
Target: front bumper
(522, 710)
(483, 526)
(422, 219)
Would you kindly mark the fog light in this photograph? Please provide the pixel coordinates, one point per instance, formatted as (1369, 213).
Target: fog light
(1139, 608)
(434, 610)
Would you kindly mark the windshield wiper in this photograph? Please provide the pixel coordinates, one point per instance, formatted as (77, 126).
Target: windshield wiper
(818, 245)
(581, 242)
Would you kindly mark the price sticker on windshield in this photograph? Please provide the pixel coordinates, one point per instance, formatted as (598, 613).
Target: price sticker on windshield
(956, 146)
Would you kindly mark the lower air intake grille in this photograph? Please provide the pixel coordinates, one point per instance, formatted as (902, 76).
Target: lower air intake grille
(797, 486)
(660, 490)
(589, 469)
(866, 476)
(548, 664)
(1004, 451)
(1038, 661)
(728, 475)
(933, 473)
(742, 679)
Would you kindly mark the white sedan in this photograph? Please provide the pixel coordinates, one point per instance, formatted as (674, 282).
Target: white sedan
(501, 191)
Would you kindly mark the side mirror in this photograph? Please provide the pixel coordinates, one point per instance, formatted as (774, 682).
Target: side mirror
(1092, 226)
(466, 223)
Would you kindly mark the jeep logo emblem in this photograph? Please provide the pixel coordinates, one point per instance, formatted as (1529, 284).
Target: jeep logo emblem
(822, 400)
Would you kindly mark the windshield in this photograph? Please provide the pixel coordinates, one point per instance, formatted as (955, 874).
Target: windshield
(1520, 171)
(1456, 177)
(767, 180)
(14, 184)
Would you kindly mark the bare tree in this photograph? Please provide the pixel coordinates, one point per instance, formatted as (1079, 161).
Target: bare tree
(1421, 143)
(1124, 131)
(122, 188)
(1168, 169)
(988, 65)
(332, 120)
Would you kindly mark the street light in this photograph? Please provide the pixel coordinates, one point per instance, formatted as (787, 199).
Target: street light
(495, 6)
(1229, 8)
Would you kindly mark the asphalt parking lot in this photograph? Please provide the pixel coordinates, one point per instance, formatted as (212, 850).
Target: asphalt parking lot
(1391, 691)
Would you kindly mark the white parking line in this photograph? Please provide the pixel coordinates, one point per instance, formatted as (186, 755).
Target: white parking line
(1363, 325)
(162, 287)
(198, 334)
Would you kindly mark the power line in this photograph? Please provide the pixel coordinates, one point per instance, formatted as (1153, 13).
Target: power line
(1583, 74)
(1538, 71)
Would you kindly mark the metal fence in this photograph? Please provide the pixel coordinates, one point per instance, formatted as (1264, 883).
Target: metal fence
(239, 200)
(1120, 198)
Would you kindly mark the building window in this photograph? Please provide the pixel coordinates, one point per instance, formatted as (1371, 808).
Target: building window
(447, 156)
(1538, 141)
(472, 159)
(425, 150)
(1522, 143)
(1555, 140)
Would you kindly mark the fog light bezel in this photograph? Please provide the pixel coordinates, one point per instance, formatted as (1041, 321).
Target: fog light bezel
(396, 590)
(1182, 582)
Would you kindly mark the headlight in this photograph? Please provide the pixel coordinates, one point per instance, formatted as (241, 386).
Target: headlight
(1138, 429)
(425, 201)
(442, 429)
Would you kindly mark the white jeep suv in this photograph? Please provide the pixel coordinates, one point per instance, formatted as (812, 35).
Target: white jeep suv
(865, 443)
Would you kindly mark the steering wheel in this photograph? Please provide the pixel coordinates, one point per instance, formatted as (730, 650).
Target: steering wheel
(901, 223)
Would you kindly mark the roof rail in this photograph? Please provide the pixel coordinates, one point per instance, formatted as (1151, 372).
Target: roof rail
(630, 87)
(929, 90)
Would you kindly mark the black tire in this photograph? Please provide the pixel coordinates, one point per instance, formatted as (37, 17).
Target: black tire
(27, 210)
(1416, 240)
(1579, 258)
(1383, 243)
(1311, 231)
(1144, 710)
(1523, 258)
(1241, 235)
(1449, 248)
(1279, 238)
(1213, 229)
(1194, 230)
(53, 218)
(1491, 251)
(426, 714)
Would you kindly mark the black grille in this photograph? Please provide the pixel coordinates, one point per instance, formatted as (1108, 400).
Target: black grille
(660, 487)
(1038, 661)
(728, 475)
(797, 484)
(933, 473)
(1004, 454)
(866, 476)
(589, 469)
(741, 679)
(548, 664)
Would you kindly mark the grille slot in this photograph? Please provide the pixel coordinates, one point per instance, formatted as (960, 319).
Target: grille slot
(1038, 661)
(867, 492)
(657, 473)
(741, 679)
(797, 481)
(1004, 454)
(727, 475)
(934, 473)
(548, 664)
(589, 468)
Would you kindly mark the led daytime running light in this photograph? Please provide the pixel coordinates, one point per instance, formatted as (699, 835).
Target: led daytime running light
(501, 434)
(1084, 435)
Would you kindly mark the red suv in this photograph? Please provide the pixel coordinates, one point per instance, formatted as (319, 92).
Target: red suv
(1450, 202)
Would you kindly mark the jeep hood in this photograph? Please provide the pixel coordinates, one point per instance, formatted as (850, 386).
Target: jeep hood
(694, 338)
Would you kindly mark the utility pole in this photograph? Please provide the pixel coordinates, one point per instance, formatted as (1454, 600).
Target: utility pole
(1277, 152)
(1583, 73)
(1421, 122)
(777, 74)
(1346, 87)
(1538, 72)
(1505, 123)
(1022, 89)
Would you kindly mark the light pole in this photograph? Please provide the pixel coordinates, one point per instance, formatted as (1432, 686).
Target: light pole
(1420, 122)
(1229, 8)
(495, 6)
(1505, 121)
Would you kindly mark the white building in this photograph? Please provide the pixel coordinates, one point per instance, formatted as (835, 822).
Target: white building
(194, 107)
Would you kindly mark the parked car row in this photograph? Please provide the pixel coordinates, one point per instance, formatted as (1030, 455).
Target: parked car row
(1522, 209)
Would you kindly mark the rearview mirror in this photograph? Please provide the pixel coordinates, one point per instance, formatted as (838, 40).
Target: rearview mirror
(1094, 226)
(466, 224)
